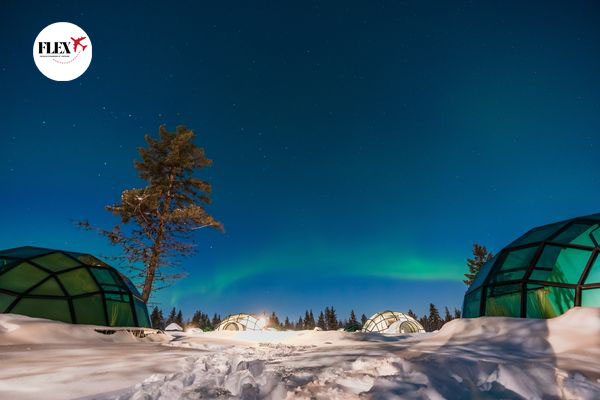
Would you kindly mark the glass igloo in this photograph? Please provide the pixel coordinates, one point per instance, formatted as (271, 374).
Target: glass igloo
(242, 322)
(67, 286)
(392, 322)
(542, 274)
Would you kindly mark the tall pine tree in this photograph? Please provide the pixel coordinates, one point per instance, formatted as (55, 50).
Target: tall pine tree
(156, 318)
(156, 221)
(435, 321)
(321, 321)
(480, 257)
(447, 316)
(412, 314)
(353, 324)
(216, 320)
(331, 319)
(274, 321)
(172, 316)
(179, 319)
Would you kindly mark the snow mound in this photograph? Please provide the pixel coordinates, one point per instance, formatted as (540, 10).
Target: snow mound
(20, 329)
(508, 358)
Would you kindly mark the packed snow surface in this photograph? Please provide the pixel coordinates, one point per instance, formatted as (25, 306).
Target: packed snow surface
(483, 358)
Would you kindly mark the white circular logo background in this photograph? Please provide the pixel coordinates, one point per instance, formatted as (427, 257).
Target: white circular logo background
(62, 51)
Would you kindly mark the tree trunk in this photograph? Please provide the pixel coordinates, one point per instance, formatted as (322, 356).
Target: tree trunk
(151, 268)
(150, 272)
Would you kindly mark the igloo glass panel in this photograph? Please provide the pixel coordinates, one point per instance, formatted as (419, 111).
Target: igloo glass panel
(119, 313)
(590, 298)
(103, 276)
(594, 274)
(548, 301)
(44, 308)
(89, 310)
(89, 259)
(561, 265)
(6, 263)
(78, 281)
(25, 252)
(108, 280)
(472, 304)
(409, 327)
(5, 301)
(503, 301)
(515, 265)
(48, 288)
(538, 234)
(21, 278)
(369, 325)
(142, 313)
(596, 236)
(578, 234)
(55, 262)
(483, 273)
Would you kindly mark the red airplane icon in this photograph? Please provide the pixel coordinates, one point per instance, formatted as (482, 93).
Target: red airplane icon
(76, 41)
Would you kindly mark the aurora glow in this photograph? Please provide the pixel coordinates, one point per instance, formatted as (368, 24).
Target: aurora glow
(359, 148)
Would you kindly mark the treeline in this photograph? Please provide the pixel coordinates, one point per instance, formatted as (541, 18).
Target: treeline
(327, 320)
(198, 320)
(433, 321)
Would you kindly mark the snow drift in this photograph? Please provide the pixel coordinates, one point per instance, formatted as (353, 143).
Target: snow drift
(505, 358)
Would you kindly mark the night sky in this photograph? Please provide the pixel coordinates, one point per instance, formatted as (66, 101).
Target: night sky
(359, 148)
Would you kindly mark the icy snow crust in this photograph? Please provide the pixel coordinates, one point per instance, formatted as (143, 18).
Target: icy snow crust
(480, 358)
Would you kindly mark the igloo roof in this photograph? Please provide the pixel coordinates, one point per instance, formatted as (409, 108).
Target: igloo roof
(556, 259)
(242, 322)
(401, 323)
(68, 286)
(173, 327)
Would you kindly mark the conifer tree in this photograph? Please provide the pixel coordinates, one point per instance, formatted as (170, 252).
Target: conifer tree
(196, 319)
(312, 320)
(424, 321)
(216, 320)
(274, 321)
(287, 325)
(363, 320)
(155, 318)
(162, 319)
(457, 313)
(435, 322)
(412, 314)
(179, 319)
(157, 220)
(480, 257)
(331, 319)
(352, 320)
(300, 324)
(172, 316)
(352, 325)
(447, 316)
(321, 321)
(307, 321)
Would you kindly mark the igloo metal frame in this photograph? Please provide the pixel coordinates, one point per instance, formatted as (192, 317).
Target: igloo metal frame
(114, 287)
(561, 235)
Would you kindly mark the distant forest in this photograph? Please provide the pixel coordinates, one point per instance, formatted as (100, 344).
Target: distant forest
(327, 320)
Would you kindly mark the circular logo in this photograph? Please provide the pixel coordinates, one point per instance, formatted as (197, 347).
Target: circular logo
(62, 51)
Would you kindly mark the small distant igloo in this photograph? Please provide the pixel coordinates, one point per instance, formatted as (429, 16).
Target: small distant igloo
(172, 327)
(242, 322)
(392, 322)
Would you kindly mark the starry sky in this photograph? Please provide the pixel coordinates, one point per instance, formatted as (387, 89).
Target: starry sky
(359, 148)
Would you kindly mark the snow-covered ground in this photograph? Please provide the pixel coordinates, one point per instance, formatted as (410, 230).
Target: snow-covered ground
(481, 358)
